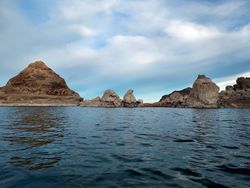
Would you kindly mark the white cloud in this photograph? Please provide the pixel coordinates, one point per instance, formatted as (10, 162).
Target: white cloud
(119, 41)
(189, 31)
(83, 30)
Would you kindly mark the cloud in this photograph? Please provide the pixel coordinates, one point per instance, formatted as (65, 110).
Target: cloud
(152, 46)
(191, 32)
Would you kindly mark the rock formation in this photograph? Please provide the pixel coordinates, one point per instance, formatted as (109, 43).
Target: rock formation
(175, 99)
(38, 84)
(129, 100)
(237, 96)
(204, 93)
(111, 99)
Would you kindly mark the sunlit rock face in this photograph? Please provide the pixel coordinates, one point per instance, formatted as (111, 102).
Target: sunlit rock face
(38, 84)
(110, 99)
(237, 96)
(129, 100)
(204, 93)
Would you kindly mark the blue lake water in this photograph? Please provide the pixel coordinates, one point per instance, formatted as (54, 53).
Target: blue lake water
(141, 147)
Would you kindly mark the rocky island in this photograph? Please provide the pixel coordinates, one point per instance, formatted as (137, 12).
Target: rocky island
(111, 99)
(39, 85)
(205, 94)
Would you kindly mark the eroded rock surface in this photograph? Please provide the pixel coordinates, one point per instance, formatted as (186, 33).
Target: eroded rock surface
(204, 93)
(237, 96)
(38, 84)
(175, 99)
(111, 99)
(129, 100)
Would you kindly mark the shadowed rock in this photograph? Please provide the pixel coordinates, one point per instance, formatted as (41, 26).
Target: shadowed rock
(237, 96)
(175, 99)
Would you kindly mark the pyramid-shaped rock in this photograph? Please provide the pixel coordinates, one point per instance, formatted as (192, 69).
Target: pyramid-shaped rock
(38, 84)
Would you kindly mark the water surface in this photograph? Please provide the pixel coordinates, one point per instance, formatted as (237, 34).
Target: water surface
(141, 147)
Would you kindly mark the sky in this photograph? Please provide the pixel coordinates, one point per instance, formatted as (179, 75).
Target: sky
(150, 46)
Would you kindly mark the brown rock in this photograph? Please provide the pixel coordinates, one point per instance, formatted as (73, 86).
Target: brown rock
(242, 83)
(38, 84)
(237, 96)
(129, 100)
(96, 102)
(110, 99)
(175, 99)
(204, 93)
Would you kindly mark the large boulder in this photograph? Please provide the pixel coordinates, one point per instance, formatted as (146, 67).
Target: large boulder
(110, 99)
(204, 94)
(38, 84)
(237, 96)
(129, 100)
(242, 83)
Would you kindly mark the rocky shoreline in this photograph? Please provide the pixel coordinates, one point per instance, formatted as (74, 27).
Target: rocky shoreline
(38, 85)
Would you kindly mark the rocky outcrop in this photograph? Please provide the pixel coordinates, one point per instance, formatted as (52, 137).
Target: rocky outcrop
(129, 100)
(204, 93)
(38, 84)
(237, 96)
(111, 99)
(175, 99)
(242, 83)
(96, 102)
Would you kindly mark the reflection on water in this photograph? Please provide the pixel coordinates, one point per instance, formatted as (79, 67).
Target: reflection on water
(141, 147)
(29, 131)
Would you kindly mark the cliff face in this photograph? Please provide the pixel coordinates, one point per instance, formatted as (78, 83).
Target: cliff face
(38, 84)
(204, 93)
(237, 96)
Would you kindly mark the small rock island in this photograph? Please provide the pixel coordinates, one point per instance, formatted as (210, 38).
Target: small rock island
(38, 85)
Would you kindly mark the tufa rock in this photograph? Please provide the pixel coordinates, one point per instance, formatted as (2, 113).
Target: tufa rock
(38, 84)
(242, 83)
(175, 99)
(204, 93)
(96, 102)
(110, 99)
(237, 96)
(129, 100)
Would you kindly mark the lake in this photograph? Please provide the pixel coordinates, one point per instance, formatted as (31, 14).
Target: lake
(123, 147)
